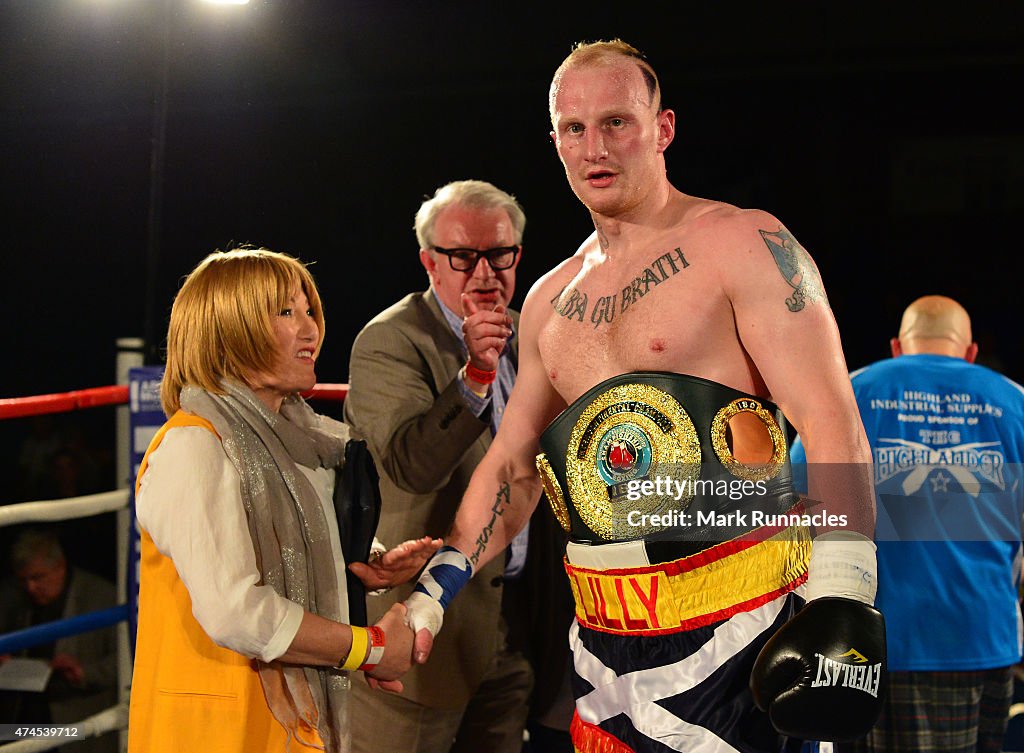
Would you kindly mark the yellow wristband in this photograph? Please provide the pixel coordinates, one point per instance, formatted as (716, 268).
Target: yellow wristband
(356, 654)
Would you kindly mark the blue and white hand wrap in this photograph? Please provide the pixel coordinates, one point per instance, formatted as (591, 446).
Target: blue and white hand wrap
(444, 576)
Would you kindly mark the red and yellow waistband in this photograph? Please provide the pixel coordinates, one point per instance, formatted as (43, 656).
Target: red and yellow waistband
(712, 585)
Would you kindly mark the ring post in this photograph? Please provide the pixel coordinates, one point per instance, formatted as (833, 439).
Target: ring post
(130, 354)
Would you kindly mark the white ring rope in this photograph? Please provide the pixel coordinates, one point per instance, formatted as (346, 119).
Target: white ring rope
(63, 509)
(114, 718)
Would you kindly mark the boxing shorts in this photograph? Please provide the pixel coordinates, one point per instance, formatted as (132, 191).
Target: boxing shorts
(682, 560)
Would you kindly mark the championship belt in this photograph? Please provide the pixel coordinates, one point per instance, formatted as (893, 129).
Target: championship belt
(648, 455)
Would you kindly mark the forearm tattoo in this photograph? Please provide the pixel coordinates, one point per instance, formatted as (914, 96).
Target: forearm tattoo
(573, 304)
(501, 503)
(796, 268)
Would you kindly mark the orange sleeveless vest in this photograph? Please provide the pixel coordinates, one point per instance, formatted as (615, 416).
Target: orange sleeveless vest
(189, 695)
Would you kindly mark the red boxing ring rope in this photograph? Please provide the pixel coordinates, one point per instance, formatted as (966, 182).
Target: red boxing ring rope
(62, 402)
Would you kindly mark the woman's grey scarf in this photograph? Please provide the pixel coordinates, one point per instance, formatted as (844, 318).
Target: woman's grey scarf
(289, 535)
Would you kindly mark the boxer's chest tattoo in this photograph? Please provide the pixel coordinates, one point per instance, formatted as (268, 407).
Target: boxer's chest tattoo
(576, 305)
(796, 268)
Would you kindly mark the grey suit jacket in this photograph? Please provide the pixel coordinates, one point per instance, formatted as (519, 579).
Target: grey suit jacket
(404, 399)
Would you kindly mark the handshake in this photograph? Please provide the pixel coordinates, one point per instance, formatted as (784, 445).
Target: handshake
(397, 650)
(821, 676)
(402, 643)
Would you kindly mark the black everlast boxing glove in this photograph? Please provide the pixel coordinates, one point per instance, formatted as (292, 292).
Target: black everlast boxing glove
(823, 675)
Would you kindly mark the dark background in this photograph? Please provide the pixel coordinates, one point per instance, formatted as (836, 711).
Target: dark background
(886, 137)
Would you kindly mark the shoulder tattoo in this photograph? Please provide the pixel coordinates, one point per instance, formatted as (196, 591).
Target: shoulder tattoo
(796, 268)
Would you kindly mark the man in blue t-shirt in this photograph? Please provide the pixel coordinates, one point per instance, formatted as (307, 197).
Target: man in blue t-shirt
(947, 438)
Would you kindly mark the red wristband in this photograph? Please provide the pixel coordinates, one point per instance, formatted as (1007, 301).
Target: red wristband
(376, 635)
(480, 376)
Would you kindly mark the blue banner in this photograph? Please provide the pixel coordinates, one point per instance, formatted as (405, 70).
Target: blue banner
(147, 416)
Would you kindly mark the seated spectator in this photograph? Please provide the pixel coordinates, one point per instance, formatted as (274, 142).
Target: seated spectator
(46, 588)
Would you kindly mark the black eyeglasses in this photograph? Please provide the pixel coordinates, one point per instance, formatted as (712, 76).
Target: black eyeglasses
(466, 259)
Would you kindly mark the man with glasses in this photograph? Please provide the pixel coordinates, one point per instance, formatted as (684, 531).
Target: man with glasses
(430, 377)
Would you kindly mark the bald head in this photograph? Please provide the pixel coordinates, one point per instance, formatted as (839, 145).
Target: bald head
(935, 325)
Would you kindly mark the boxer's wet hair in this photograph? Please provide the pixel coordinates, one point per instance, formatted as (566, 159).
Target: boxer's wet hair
(604, 51)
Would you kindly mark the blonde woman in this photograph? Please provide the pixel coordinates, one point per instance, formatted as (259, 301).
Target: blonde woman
(243, 641)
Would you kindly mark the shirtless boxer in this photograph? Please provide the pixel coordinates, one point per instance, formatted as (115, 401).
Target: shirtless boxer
(676, 314)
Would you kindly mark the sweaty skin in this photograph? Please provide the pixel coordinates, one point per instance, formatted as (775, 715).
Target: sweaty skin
(667, 282)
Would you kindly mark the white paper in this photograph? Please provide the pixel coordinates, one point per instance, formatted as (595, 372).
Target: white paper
(24, 674)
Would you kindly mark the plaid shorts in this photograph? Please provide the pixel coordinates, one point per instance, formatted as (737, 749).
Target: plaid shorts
(952, 712)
